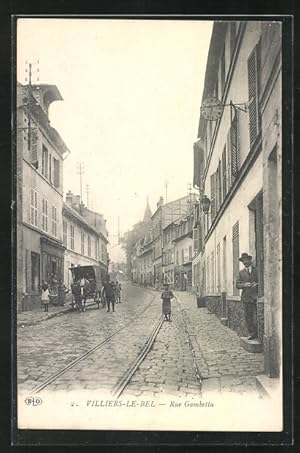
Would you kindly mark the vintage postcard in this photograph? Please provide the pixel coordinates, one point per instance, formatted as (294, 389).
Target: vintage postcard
(149, 244)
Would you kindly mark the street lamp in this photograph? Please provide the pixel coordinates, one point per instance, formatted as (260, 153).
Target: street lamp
(205, 203)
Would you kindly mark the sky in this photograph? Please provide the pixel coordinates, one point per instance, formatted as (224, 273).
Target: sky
(131, 102)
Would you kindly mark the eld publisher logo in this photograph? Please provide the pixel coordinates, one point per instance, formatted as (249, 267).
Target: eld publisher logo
(33, 401)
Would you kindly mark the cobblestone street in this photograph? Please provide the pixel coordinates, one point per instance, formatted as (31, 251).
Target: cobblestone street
(191, 356)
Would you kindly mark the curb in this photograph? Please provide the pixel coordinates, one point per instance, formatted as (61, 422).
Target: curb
(46, 318)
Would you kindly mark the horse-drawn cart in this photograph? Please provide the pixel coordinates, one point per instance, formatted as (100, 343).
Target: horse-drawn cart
(87, 284)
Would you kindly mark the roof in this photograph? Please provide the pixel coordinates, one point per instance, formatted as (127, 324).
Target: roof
(41, 116)
(215, 49)
(79, 217)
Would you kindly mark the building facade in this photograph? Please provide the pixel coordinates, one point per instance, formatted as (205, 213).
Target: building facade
(84, 237)
(164, 215)
(183, 252)
(40, 154)
(237, 166)
(168, 254)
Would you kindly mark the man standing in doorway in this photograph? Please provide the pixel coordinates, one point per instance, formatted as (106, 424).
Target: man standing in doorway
(247, 281)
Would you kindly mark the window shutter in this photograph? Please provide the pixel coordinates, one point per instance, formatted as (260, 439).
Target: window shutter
(56, 172)
(234, 143)
(224, 173)
(254, 117)
(196, 238)
(213, 195)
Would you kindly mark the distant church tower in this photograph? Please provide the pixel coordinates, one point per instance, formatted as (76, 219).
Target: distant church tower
(148, 213)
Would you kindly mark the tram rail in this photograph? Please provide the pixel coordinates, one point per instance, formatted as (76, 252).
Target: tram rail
(124, 380)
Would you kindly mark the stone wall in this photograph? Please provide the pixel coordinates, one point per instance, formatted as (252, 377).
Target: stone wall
(235, 314)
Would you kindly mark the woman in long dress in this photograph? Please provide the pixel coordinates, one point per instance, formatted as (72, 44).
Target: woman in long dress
(166, 297)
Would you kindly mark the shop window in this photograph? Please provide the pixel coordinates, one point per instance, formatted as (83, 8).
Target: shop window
(35, 272)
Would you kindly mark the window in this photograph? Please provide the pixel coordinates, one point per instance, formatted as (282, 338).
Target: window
(44, 214)
(177, 257)
(190, 253)
(82, 242)
(89, 245)
(54, 221)
(45, 161)
(33, 207)
(35, 272)
(56, 172)
(72, 234)
(253, 93)
(235, 256)
(182, 256)
(65, 233)
(103, 253)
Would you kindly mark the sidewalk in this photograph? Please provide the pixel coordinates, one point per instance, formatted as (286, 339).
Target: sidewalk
(32, 317)
(223, 364)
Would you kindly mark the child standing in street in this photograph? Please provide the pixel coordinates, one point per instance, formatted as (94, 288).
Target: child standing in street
(166, 297)
(45, 296)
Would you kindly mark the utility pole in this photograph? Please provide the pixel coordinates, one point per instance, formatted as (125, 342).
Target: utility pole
(87, 187)
(189, 191)
(29, 95)
(166, 187)
(80, 172)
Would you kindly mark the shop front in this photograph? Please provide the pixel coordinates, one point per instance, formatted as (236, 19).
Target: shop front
(52, 260)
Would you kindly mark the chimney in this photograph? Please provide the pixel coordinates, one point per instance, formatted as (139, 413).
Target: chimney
(160, 202)
(69, 197)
